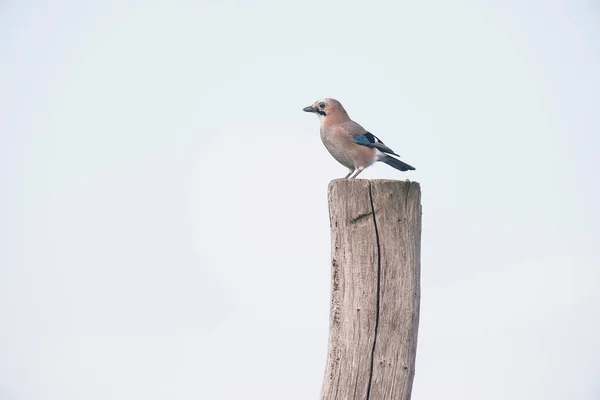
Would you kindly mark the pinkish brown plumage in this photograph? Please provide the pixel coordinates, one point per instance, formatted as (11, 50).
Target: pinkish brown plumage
(348, 142)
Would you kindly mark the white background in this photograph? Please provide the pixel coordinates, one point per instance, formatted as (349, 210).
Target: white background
(163, 216)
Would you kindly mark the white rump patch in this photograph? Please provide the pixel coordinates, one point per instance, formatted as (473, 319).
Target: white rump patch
(379, 155)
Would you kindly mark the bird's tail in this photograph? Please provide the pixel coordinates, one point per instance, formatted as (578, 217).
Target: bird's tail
(394, 162)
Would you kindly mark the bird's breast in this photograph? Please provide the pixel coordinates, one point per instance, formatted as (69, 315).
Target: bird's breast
(341, 146)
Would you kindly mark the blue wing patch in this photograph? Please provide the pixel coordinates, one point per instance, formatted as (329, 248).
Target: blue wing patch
(370, 140)
(366, 139)
(362, 139)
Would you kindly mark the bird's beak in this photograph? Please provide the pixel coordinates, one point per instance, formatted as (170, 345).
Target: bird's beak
(309, 109)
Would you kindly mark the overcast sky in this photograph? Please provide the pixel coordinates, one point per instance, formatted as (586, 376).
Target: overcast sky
(164, 229)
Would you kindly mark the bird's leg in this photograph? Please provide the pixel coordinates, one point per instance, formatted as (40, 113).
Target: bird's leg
(350, 172)
(358, 171)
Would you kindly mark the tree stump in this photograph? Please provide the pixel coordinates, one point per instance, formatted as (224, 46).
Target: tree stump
(375, 291)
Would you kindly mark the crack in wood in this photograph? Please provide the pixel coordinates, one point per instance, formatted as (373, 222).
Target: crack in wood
(378, 293)
(363, 215)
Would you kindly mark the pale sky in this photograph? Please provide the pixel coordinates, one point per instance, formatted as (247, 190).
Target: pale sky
(164, 229)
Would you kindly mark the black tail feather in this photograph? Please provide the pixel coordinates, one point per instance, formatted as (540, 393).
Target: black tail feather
(394, 162)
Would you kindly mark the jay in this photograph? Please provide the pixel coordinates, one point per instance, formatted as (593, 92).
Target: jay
(348, 142)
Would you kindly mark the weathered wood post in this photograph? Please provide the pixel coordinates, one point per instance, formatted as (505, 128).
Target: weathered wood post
(375, 292)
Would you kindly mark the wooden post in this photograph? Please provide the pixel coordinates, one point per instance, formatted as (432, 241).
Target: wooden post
(375, 292)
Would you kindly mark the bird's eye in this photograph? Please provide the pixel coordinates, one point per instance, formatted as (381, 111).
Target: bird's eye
(321, 105)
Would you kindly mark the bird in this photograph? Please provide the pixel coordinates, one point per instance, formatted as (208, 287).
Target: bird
(349, 143)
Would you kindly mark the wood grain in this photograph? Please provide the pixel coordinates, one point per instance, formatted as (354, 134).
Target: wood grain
(375, 291)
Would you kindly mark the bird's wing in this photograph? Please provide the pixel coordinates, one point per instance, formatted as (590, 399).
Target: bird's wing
(365, 138)
(370, 140)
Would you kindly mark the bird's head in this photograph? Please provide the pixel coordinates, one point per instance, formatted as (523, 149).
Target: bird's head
(326, 108)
